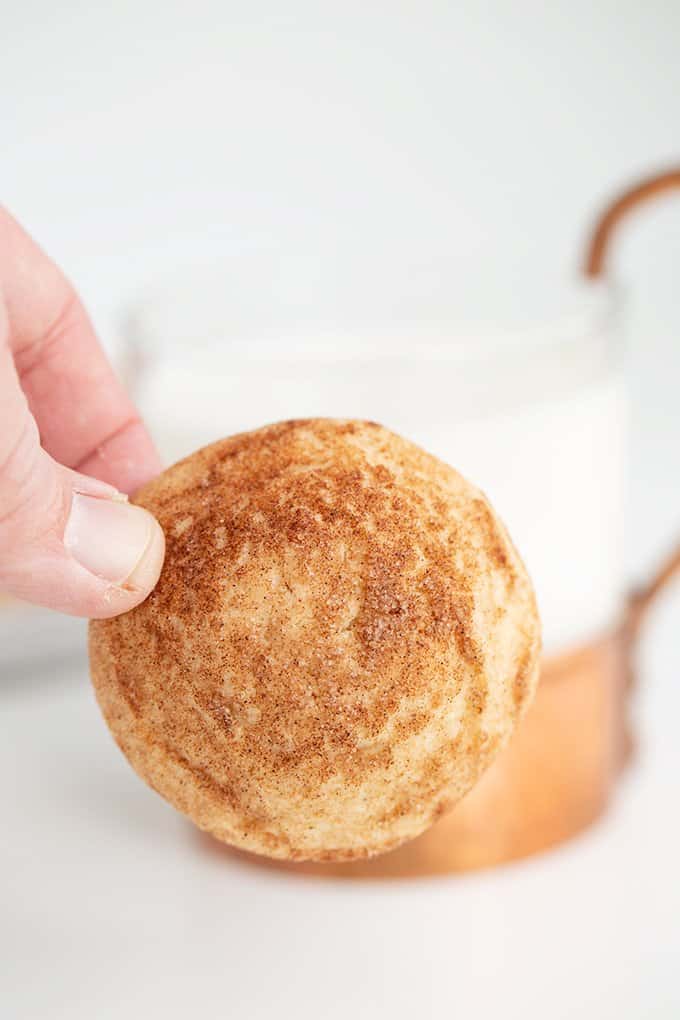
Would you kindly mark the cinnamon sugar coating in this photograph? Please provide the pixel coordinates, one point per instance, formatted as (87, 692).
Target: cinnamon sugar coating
(341, 640)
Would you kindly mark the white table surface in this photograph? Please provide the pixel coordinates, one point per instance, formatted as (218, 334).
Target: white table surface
(112, 906)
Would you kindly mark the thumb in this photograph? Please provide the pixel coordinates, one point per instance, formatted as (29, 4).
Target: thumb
(67, 541)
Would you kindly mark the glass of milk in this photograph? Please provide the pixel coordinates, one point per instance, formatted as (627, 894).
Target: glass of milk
(517, 386)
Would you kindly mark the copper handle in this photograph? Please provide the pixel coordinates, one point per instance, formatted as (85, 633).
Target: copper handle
(600, 241)
(594, 266)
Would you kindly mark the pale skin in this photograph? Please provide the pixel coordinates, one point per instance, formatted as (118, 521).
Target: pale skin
(71, 444)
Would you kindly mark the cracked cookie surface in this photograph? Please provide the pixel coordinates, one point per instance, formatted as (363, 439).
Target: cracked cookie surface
(341, 640)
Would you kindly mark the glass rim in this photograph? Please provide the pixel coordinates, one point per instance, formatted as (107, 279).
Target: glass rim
(203, 307)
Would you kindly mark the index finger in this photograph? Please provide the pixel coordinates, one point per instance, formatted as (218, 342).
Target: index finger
(86, 419)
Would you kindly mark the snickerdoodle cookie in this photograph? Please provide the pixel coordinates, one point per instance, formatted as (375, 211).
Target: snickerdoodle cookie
(341, 640)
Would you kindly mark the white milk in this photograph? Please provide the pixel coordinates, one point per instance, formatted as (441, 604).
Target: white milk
(541, 434)
(554, 472)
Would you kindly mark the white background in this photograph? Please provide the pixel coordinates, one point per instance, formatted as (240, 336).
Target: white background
(137, 134)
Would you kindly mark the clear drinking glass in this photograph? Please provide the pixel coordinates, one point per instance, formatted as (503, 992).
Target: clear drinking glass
(520, 388)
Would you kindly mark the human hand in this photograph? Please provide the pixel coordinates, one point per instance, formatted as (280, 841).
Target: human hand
(70, 443)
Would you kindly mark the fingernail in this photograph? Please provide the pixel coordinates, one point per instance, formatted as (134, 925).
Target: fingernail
(114, 540)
